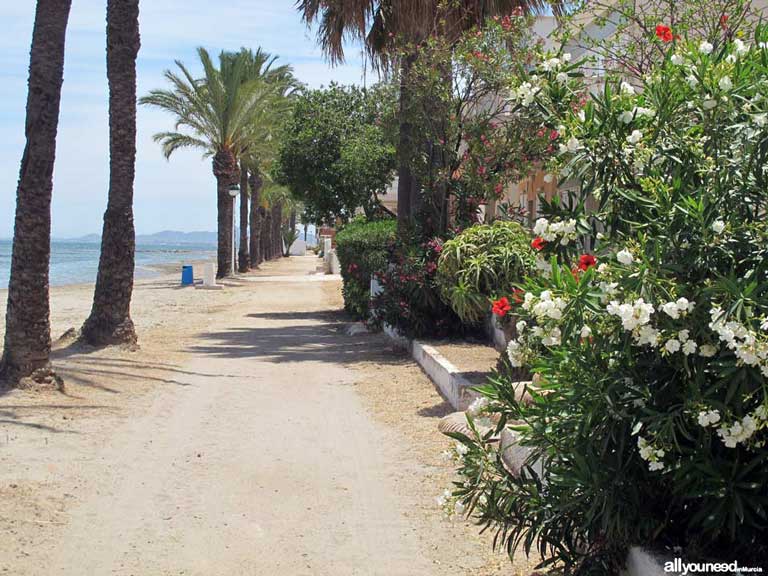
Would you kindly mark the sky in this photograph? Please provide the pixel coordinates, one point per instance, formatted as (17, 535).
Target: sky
(179, 194)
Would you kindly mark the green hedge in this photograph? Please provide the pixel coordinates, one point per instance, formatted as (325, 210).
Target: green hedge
(481, 264)
(362, 248)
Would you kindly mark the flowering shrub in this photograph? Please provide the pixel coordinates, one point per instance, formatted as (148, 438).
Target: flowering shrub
(480, 264)
(410, 300)
(648, 341)
(362, 248)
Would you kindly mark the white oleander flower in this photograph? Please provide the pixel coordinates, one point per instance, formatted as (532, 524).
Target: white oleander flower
(760, 120)
(740, 46)
(635, 137)
(626, 117)
(548, 178)
(692, 81)
(478, 406)
(705, 47)
(708, 418)
(725, 84)
(709, 103)
(520, 327)
(586, 331)
(672, 345)
(676, 59)
(647, 336)
(625, 257)
(671, 310)
(689, 347)
(707, 350)
(573, 144)
(562, 77)
(515, 353)
(627, 88)
(718, 226)
(566, 57)
(633, 315)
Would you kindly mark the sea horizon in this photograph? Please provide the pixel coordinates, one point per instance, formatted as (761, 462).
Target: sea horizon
(77, 262)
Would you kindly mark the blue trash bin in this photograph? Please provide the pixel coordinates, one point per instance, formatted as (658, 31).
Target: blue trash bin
(187, 276)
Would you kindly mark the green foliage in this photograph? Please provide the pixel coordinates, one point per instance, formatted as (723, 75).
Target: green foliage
(362, 248)
(650, 407)
(410, 300)
(468, 149)
(482, 263)
(234, 107)
(336, 155)
(290, 235)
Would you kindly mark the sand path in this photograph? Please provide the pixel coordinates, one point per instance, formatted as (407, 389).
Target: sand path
(258, 455)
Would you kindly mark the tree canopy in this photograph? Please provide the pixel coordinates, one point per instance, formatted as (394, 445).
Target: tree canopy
(337, 153)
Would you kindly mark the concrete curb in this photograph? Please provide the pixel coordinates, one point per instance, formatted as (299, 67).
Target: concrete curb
(448, 379)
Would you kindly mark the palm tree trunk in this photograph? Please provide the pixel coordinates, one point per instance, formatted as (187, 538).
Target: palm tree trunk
(267, 235)
(279, 231)
(110, 319)
(27, 323)
(255, 247)
(225, 171)
(243, 254)
(405, 178)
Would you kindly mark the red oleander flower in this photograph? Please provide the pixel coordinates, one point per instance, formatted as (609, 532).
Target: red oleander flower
(517, 295)
(538, 243)
(501, 306)
(586, 261)
(499, 189)
(724, 21)
(664, 33)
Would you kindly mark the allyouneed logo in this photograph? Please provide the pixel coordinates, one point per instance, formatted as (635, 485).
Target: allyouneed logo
(677, 566)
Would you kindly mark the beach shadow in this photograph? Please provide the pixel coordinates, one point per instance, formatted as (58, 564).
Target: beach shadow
(9, 416)
(436, 411)
(323, 339)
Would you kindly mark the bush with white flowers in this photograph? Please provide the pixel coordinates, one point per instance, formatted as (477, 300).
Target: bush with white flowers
(648, 337)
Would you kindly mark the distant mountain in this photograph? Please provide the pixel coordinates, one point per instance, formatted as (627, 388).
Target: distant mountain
(164, 237)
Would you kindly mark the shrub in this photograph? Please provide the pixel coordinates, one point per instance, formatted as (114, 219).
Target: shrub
(410, 301)
(650, 353)
(362, 248)
(481, 263)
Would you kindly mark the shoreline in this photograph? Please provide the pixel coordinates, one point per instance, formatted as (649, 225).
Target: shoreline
(159, 271)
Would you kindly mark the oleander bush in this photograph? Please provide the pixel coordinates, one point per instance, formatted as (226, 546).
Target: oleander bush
(482, 263)
(362, 247)
(410, 300)
(647, 327)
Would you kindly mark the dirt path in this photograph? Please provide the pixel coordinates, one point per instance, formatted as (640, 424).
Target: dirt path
(266, 447)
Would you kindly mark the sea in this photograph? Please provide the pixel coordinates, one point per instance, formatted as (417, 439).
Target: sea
(78, 262)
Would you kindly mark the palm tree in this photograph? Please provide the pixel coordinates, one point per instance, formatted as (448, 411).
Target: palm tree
(379, 25)
(256, 181)
(216, 112)
(110, 319)
(27, 323)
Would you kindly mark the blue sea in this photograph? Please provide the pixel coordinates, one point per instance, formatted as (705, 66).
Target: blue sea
(78, 262)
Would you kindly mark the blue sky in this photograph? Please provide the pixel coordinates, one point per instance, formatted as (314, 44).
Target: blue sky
(179, 194)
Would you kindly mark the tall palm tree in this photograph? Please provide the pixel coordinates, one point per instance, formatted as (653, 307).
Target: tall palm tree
(110, 319)
(256, 181)
(216, 113)
(27, 323)
(379, 24)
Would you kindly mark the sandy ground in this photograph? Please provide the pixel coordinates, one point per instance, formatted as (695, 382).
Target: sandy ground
(248, 435)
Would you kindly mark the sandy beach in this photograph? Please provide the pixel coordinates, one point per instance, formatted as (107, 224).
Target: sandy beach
(249, 434)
